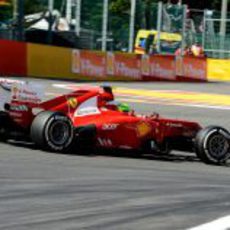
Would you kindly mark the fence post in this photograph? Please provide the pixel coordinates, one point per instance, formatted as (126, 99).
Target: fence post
(131, 25)
(18, 19)
(159, 22)
(224, 10)
(69, 10)
(204, 29)
(50, 9)
(104, 26)
(185, 7)
(78, 17)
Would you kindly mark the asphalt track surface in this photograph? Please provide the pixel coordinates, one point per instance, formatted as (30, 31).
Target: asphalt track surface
(40, 190)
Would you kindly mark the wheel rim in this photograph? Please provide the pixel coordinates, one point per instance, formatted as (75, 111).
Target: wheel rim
(218, 146)
(59, 133)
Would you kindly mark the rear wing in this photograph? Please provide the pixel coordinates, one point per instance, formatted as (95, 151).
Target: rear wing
(20, 91)
(5, 91)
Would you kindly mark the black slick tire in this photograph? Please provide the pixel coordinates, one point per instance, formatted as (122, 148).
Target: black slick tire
(52, 131)
(4, 125)
(212, 145)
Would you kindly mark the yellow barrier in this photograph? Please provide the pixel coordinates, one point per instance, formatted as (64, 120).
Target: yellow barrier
(218, 70)
(49, 61)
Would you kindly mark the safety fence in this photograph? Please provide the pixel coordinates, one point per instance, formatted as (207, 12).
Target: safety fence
(117, 25)
(33, 60)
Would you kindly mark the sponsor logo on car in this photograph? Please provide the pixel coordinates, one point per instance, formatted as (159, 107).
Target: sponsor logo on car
(125, 147)
(143, 129)
(175, 125)
(105, 142)
(27, 92)
(72, 102)
(86, 111)
(15, 115)
(19, 108)
(109, 126)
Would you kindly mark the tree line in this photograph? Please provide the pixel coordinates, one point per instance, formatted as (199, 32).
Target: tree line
(115, 6)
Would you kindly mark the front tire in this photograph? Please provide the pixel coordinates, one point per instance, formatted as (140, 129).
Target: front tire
(52, 131)
(212, 145)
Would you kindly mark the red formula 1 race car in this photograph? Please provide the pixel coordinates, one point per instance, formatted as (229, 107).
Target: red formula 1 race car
(90, 116)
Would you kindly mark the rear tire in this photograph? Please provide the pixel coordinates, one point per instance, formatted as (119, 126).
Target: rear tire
(212, 145)
(4, 125)
(52, 131)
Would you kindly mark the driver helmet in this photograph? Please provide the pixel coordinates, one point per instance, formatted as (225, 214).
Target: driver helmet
(123, 107)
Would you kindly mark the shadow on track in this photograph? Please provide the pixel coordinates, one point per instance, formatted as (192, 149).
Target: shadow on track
(175, 157)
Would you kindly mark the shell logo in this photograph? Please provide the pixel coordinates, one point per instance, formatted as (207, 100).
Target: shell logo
(72, 102)
(143, 129)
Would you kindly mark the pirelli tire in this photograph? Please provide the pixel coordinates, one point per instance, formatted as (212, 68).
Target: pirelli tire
(212, 145)
(52, 131)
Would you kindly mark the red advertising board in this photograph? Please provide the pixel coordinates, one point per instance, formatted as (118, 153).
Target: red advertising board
(92, 64)
(162, 67)
(192, 68)
(124, 65)
(13, 60)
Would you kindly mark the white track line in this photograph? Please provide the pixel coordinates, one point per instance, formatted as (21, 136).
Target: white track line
(219, 224)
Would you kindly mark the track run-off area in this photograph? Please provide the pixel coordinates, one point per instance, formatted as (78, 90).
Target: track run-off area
(42, 190)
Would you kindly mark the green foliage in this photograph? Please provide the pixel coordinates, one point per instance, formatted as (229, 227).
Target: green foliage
(119, 6)
(124, 5)
(216, 4)
(5, 12)
(34, 6)
(91, 14)
(30, 7)
(40, 5)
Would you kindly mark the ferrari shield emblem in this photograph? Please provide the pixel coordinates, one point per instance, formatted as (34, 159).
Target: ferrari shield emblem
(72, 102)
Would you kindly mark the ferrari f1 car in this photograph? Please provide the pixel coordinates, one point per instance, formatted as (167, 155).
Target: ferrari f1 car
(90, 116)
